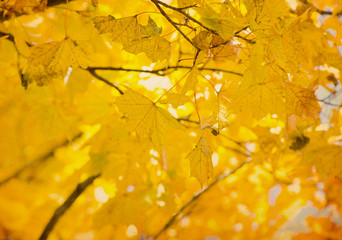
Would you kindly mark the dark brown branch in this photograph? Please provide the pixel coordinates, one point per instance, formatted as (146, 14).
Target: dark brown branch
(56, 2)
(66, 205)
(246, 39)
(92, 72)
(7, 36)
(197, 196)
(156, 71)
(156, 2)
(179, 10)
(38, 161)
(187, 16)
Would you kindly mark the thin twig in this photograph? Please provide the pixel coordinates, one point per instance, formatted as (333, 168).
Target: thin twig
(329, 103)
(39, 160)
(196, 196)
(156, 2)
(66, 205)
(155, 71)
(202, 25)
(187, 16)
(246, 39)
(92, 72)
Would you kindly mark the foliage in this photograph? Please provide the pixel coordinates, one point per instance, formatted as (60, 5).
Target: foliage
(179, 119)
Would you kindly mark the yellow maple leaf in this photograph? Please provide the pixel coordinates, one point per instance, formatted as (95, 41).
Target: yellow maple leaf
(227, 51)
(134, 37)
(322, 153)
(224, 26)
(301, 101)
(176, 99)
(145, 117)
(260, 94)
(156, 48)
(203, 40)
(50, 60)
(190, 85)
(201, 166)
(122, 30)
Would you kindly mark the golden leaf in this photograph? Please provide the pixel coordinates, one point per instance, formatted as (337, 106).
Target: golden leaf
(202, 40)
(134, 37)
(201, 166)
(225, 27)
(322, 153)
(228, 51)
(122, 30)
(156, 48)
(50, 60)
(145, 117)
(301, 101)
(176, 99)
(151, 29)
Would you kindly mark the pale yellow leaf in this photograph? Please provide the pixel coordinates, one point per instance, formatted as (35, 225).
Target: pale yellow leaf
(151, 29)
(145, 117)
(301, 101)
(156, 48)
(175, 99)
(49, 60)
(224, 26)
(191, 81)
(203, 40)
(122, 30)
(325, 156)
(227, 51)
(201, 166)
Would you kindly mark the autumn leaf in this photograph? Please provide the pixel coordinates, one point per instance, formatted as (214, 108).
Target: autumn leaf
(301, 101)
(151, 29)
(156, 48)
(201, 166)
(134, 37)
(134, 103)
(203, 40)
(50, 60)
(225, 27)
(145, 118)
(175, 99)
(122, 30)
(323, 154)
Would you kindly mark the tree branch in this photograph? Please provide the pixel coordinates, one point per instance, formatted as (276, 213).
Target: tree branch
(92, 72)
(7, 36)
(80, 188)
(156, 2)
(179, 10)
(187, 16)
(197, 196)
(156, 71)
(39, 160)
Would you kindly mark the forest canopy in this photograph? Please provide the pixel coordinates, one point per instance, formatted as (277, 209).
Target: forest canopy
(170, 119)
